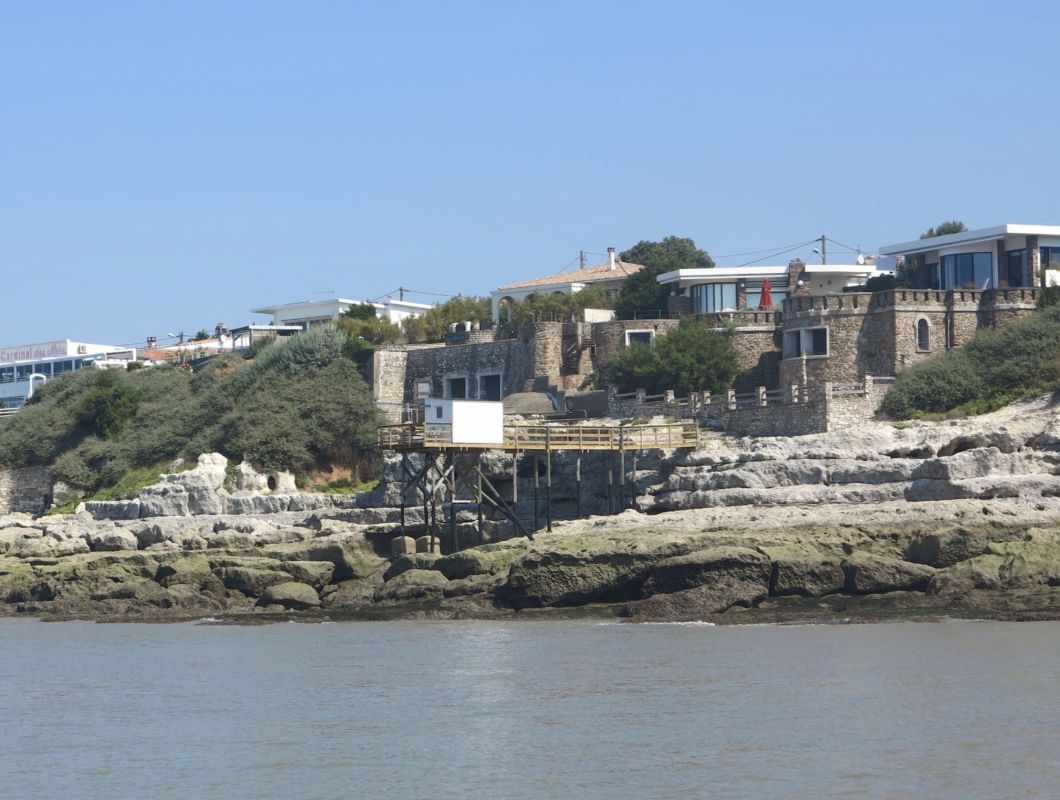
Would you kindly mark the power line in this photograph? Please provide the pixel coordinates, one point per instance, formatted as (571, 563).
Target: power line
(782, 252)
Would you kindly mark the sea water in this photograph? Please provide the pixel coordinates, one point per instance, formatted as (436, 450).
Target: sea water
(529, 710)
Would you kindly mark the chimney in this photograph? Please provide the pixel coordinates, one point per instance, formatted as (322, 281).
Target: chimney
(152, 342)
(797, 285)
(611, 261)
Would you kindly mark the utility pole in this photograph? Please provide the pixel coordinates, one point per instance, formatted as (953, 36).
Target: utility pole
(824, 249)
(401, 292)
(581, 259)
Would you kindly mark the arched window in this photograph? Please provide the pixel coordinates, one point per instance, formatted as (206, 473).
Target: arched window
(923, 335)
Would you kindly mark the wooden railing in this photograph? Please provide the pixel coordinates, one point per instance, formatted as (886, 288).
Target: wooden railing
(438, 436)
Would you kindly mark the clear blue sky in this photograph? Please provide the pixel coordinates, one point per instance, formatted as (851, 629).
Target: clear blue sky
(170, 166)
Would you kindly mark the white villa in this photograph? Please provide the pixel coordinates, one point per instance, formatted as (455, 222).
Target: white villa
(714, 290)
(1001, 257)
(307, 313)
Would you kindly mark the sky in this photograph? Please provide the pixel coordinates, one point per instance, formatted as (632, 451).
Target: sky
(165, 167)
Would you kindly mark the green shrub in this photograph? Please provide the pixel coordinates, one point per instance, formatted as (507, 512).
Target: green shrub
(995, 367)
(690, 358)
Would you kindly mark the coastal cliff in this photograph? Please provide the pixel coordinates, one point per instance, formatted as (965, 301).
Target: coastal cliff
(929, 519)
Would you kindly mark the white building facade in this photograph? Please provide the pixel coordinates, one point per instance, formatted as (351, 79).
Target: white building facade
(24, 367)
(1005, 256)
(307, 313)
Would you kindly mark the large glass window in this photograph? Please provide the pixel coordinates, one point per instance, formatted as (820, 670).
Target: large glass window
(1051, 258)
(806, 342)
(7, 374)
(967, 271)
(754, 294)
(709, 298)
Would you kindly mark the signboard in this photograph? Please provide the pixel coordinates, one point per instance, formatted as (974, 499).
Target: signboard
(33, 352)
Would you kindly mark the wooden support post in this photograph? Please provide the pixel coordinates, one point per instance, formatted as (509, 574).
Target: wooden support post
(610, 482)
(479, 497)
(578, 482)
(515, 478)
(451, 485)
(621, 470)
(537, 523)
(548, 479)
(633, 483)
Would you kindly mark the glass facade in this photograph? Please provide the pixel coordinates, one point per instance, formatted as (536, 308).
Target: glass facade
(967, 271)
(710, 298)
(1051, 258)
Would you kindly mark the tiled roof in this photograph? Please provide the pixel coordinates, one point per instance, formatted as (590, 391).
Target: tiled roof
(600, 272)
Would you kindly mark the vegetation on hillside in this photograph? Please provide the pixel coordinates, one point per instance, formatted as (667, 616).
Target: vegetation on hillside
(944, 229)
(997, 366)
(690, 358)
(432, 326)
(556, 306)
(641, 294)
(298, 404)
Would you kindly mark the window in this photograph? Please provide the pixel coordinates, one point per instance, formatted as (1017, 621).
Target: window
(923, 335)
(806, 342)
(639, 337)
(1015, 269)
(1051, 258)
(489, 387)
(456, 388)
(967, 271)
(439, 412)
(709, 298)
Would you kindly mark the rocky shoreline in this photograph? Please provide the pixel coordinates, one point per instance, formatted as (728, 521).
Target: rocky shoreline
(927, 521)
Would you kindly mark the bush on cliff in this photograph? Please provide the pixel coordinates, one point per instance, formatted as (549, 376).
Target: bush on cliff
(995, 367)
(690, 358)
(298, 405)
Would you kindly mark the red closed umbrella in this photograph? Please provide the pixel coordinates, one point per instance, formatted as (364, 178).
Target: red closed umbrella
(767, 296)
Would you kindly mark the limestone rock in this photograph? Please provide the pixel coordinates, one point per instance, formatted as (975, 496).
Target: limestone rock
(113, 509)
(411, 561)
(249, 479)
(290, 594)
(484, 560)
(694, 604)
(558, 578)
(191, 571)
(867, 573)
(804, 570)
(113, 539)
(713, 566)
(414, 584)
(352, 554)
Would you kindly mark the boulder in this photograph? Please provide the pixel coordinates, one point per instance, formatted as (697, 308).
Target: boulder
(190, 571)
(414, 584)
(980, 572)
(868, 573)
(113, 509)
(560, 578)
(291, 595)
(402, 545)
(946, 548)
(484, 560)
(694, 604)
(112, 539)
(164, 500)
(429, 544)
(804, 570)
(248, 479)
(410, 561)
(351, 553)
(714, 566)
(473, 584)
(249, 580)
(355, 593)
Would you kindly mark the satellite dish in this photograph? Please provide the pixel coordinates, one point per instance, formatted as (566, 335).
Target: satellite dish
(861, 259)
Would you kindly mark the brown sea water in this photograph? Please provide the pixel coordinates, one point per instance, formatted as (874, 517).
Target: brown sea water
(530, 710)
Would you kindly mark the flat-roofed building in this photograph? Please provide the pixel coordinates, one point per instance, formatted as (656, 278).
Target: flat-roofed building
(23, 367)
(307, 313)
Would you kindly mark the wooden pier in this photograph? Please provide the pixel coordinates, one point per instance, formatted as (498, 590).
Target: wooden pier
(449, 466)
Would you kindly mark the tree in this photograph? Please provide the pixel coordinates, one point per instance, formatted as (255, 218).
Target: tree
(945, 229)
(201, 335)
(690, 358)
(360, 311)
(432, 326)
(641, 293)
(557, 305)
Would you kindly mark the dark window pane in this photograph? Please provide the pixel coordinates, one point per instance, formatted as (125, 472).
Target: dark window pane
(820, 342)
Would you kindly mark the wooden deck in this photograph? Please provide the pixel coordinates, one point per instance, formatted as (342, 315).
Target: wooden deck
(519, 438)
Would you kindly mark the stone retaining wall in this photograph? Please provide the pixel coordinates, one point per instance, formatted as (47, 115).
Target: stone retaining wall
(26, 490)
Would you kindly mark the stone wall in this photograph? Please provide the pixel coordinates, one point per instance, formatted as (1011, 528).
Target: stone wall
(778, 420)
(387, 377)
(610, 337)
(27, 490)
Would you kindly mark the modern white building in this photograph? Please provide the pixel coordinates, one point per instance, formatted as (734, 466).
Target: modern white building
(307, 313)
(1001, 257)
(718, 289)
(24, 367)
